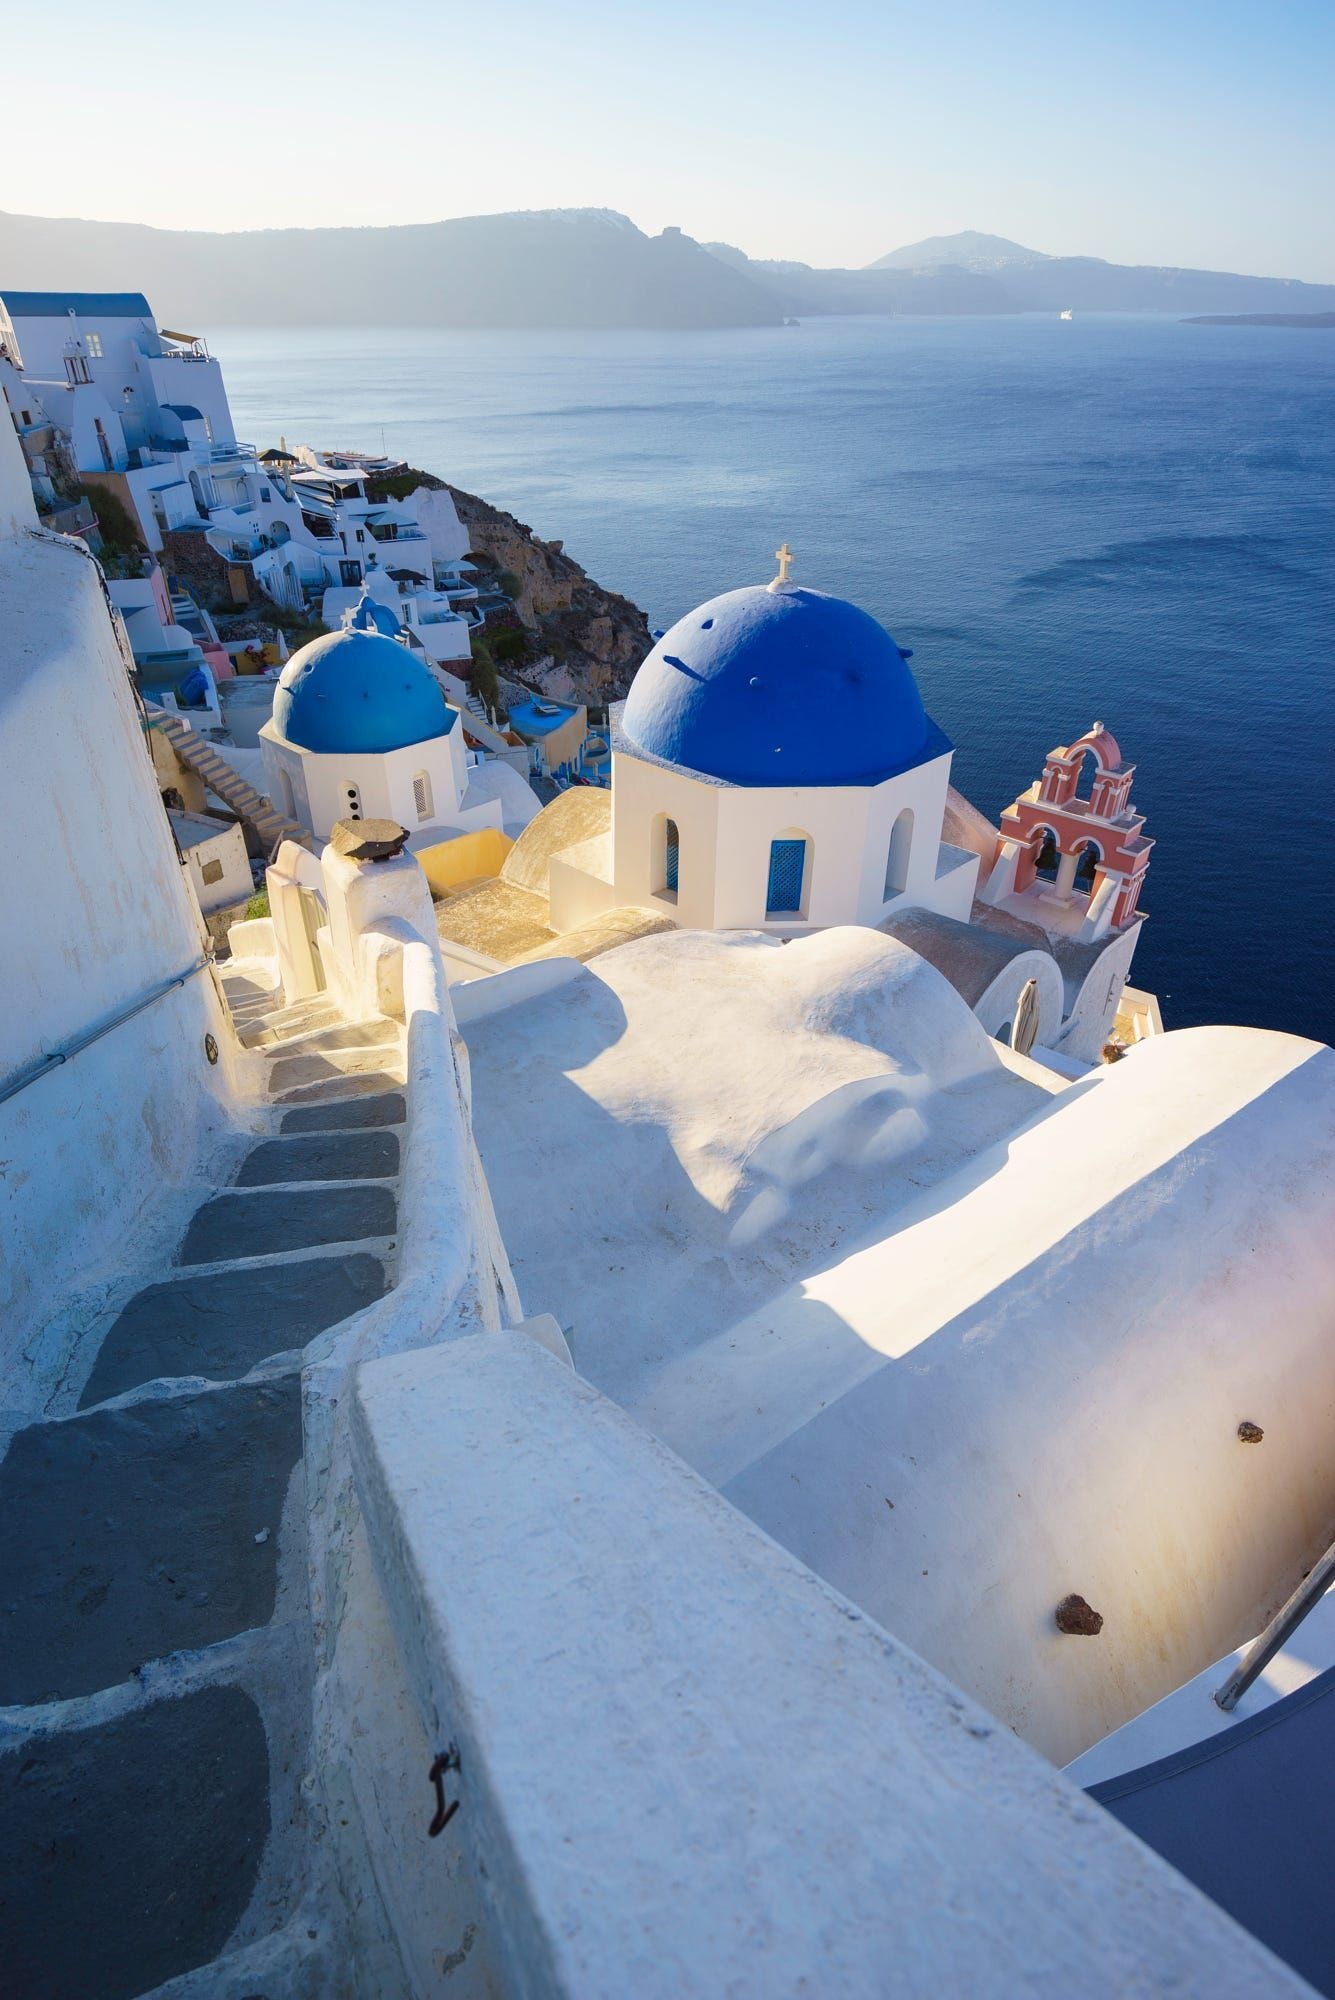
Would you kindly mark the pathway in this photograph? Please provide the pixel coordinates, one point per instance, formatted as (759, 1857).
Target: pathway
(154, 1651)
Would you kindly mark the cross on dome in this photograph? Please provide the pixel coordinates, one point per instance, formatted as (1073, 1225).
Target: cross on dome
(784, 558)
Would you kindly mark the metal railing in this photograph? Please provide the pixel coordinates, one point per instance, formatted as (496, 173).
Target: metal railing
(1278, 1632)
(22, 1078)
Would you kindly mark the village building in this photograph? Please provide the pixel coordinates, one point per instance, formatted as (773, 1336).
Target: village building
(361, 730)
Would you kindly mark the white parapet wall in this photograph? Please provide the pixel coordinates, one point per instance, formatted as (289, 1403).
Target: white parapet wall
(683, 1764)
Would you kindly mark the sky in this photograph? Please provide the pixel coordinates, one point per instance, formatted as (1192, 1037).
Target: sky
(1144, 133)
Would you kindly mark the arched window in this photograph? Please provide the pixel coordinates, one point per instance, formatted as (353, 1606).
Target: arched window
(1047, 856)
(664, 856)
(897, 860)
(289, 796)
(352, 795)
(1086, 773)
(1085, 867)
(789, 869)
(422, 795)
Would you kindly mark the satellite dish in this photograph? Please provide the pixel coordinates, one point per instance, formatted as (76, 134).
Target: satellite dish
(1025, 1031)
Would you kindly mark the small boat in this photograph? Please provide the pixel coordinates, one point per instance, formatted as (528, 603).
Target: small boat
(1068, 314)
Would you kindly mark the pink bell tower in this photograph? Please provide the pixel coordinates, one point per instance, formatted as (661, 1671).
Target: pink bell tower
(1070, 863)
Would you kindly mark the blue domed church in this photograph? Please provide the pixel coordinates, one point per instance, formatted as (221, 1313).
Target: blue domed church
(774, 768)
(361, 730)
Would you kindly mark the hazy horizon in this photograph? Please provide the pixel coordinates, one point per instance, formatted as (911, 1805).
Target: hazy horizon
(1144, 138)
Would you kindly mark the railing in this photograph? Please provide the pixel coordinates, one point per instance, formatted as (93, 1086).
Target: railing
(22, 1078)
(1278, 1632)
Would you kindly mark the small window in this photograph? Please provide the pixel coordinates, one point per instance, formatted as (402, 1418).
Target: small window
(94, 345)
(77, 369)
(27, 418)
(361, 534)
(897, 858)
(264, 493)
(422, 795)
(787, 870)
(671, 857)
(208, 430)
(353, 795)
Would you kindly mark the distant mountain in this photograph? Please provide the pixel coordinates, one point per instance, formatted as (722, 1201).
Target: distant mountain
(1322, 322)
(804, 289)
(975, 273)
(582, 267)
(1031, 281)
(971, 249)
(536, 268)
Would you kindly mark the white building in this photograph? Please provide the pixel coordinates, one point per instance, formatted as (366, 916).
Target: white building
(144, 411)
(145, 405)
(774, 769)
(361, 730)
(215, 859)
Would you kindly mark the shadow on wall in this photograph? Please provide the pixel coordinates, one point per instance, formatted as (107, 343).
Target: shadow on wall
(1073, 1428)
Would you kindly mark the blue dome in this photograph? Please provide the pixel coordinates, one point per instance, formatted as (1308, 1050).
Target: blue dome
(780, 687)
(356, 692)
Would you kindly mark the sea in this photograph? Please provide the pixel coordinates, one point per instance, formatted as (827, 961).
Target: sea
(1117, 519)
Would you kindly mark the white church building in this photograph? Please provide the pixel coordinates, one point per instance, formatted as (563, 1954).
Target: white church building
(361, 730)
(774, 768)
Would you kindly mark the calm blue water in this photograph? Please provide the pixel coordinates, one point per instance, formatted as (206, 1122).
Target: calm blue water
(1122, 519)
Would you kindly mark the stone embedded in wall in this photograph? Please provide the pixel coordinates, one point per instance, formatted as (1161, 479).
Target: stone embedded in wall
(1077, 1618)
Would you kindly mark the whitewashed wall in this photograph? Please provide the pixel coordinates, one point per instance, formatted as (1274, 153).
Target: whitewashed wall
(98, 912)
(385, 781)
(725, 833)
(685, 1765)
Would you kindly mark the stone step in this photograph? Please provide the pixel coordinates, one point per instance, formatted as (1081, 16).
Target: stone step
(277, 1024)
(316, 1079)
(262, 1223)
(349, 1114)
(321, 1156)
(131, 1850)
(342, 1035)
(221, 1324)
(130, 1533)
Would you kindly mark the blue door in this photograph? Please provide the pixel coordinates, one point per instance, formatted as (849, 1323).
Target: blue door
(787, 862)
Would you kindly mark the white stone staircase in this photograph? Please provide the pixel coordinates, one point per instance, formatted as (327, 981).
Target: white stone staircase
(227, 784)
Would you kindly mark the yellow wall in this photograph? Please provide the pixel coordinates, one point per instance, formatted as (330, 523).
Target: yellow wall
(470, 858)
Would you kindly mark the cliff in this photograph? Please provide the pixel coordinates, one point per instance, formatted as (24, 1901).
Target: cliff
(538, 268)
(583, 642)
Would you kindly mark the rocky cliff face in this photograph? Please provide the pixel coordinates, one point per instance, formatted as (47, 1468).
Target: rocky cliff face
(587, 641)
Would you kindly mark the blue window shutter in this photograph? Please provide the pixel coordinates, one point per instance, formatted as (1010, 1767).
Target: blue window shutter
(671, 858)
(787, 862)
